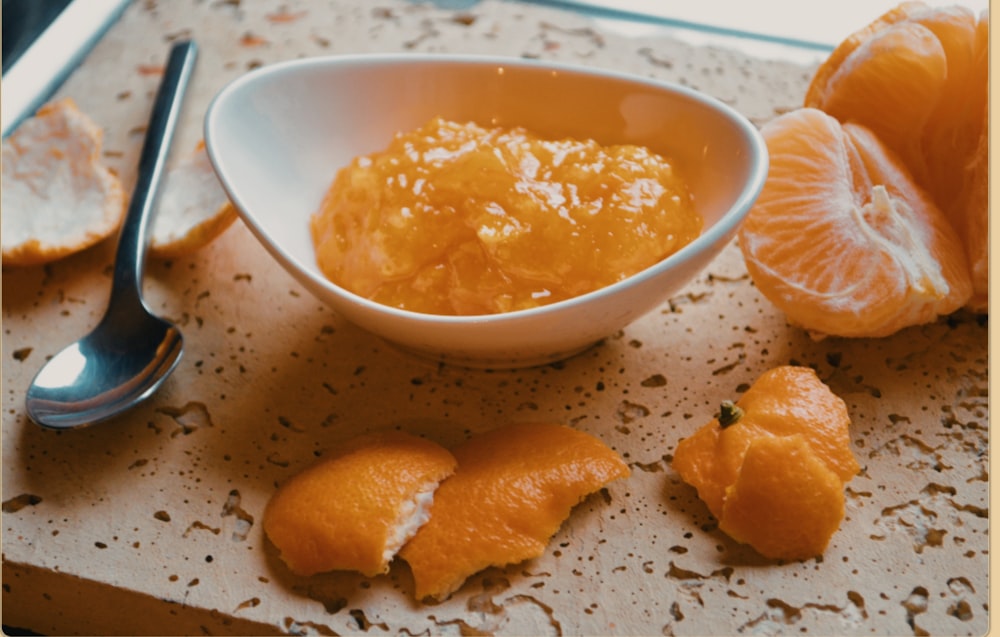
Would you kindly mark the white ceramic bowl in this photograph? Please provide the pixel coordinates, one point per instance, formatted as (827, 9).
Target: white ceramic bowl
(278, 134)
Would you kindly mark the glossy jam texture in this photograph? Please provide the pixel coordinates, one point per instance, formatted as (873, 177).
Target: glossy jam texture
(457, 219)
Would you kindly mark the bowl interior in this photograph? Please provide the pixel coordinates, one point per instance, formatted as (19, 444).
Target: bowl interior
(278, 135)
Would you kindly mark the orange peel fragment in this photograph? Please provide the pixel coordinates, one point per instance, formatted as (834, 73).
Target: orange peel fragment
(352, 511)
(772, 467)
(58, 196)
(192, 210)
(513, 489)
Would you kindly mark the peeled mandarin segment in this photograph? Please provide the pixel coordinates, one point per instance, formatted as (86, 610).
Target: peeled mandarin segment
(972, 220)
(909, 77)
(976, 231)
(822, 81)
(58, 196)
(513, 488)
(354, 510)
(890, 82)
(784, 401)
(841, 239)
(192, 210)
(786, 503)
(937, 265)
(952, 134)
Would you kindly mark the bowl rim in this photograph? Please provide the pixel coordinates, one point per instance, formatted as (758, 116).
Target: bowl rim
(725, 225)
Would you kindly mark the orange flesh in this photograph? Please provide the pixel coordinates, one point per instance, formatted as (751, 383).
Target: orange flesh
(462, 220)
(842, 239)
(918, 78)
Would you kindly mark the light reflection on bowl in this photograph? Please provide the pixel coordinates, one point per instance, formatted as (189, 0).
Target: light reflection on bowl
(278, 134)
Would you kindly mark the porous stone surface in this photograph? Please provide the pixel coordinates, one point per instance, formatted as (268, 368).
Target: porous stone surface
(151, 523)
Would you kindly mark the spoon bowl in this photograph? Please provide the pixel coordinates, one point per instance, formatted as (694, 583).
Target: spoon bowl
(104, 373)
(130, 352)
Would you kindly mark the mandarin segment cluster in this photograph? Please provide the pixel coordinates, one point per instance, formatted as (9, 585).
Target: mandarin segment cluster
(874, 215)
(918, 79)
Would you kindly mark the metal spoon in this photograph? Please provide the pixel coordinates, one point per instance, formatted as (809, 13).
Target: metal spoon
(131, 351)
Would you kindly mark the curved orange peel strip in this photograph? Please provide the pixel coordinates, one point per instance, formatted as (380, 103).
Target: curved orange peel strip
(354, 510)
(513, 488)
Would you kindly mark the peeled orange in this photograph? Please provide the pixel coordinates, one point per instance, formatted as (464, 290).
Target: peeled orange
(842, 239)
(514, 487)
(772, 466)
(917, 77)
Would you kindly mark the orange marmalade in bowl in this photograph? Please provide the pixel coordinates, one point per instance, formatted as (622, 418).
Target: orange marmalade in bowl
(458, 219)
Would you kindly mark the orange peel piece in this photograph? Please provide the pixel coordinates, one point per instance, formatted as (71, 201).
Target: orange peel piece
(513, 489)
(770, 467)
(802, 497)
(353, 510)
(58, 197)
(193, 209)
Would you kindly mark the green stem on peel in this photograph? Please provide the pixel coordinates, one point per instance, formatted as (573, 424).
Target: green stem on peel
(729, 414)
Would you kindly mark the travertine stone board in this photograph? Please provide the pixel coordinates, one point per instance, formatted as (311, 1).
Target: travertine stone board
(151, 523)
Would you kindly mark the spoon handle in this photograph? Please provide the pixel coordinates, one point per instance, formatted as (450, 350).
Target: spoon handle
(133, 238)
